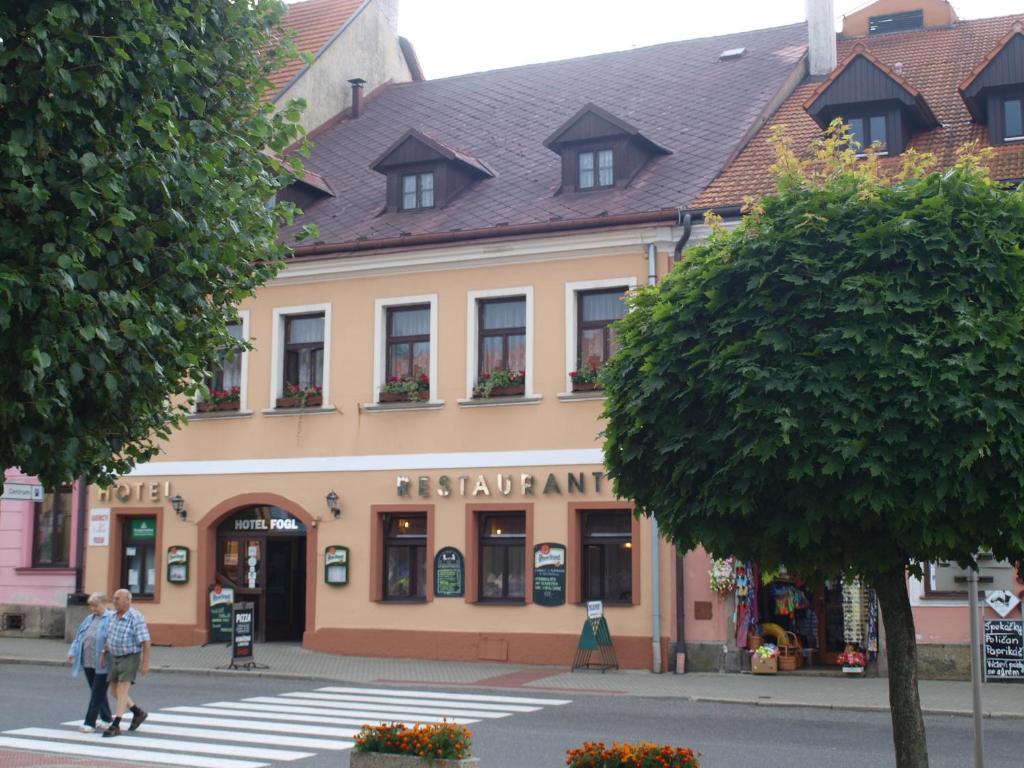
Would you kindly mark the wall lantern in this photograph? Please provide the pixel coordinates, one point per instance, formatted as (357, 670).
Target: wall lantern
(332, 505)
(178, 504)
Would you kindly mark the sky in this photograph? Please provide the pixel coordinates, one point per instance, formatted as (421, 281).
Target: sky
(453, 37)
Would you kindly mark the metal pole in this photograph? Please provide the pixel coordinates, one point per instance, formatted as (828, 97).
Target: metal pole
(972, 590)
(652, 279)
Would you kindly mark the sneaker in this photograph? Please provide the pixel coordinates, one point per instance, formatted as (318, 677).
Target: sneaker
(102, 725)
(87, 728)
(138, 719)
(113, 730)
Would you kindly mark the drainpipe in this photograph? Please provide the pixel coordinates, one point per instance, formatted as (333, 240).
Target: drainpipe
(82, 489)
(652, 278)
(678, 253)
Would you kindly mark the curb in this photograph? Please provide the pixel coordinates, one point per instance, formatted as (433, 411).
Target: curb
(873, 708)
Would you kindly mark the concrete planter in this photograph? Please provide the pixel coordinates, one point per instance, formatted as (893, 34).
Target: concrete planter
(379, 760)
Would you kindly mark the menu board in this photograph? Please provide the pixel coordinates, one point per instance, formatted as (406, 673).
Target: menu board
(242, 624)
(549, 574)
(449, 573)
(221, 599)
(1004, 649)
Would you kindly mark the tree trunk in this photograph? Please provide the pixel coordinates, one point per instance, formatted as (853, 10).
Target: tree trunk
(901, 643)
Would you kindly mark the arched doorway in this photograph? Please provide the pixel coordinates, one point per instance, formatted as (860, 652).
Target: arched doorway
(261, 553)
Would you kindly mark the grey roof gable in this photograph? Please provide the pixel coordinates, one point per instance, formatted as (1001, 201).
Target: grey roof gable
(680, 95)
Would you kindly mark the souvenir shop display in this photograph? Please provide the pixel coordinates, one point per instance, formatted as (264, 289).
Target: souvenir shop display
(723, 576)
(765, 660)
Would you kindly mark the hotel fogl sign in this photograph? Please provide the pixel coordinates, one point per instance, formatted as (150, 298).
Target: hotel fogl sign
(500, 484)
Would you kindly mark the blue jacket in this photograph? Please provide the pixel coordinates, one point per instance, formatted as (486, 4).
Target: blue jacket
(75, 651)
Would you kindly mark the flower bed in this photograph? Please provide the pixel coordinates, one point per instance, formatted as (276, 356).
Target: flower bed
(395, 744)
(643, 755)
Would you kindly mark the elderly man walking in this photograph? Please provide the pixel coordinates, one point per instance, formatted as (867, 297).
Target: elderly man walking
(127, 647)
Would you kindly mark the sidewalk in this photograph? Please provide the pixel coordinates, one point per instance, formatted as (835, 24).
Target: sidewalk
(289, 660)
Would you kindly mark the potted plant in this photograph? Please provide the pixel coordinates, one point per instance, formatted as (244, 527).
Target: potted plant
(853, 662)
(501, 383)
(585, 379)
(220, 400)
(394, 745)
(300, 397)
(405, 389)
(643, 755)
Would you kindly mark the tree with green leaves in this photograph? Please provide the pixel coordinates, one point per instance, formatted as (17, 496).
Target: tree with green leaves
(138, 168)
(837, 385)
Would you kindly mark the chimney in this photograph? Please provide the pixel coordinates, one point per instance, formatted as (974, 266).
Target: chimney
(357, 95)
(821, 37)
(389, 9)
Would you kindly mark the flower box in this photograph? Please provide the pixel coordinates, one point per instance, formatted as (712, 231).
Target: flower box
(312, 401)
(585, 386)
(380, 760)
(760, 665)
(514, 390)
(208, 407)
(400, 397)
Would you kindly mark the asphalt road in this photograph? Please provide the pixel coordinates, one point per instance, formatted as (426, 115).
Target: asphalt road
(727, 736)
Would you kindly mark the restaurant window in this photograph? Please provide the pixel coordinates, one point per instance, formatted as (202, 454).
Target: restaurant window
(502, 343)
(138, 555)
(417, 191)
(595, 169)
(596, 311)
(51, 540)
(405, 556)
(1013, 120)
(408, 341)
(304, 351)
(503, 557)
(868, 130)
(607, 556)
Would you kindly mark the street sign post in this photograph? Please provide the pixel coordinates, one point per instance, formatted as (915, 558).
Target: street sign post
(22, 492)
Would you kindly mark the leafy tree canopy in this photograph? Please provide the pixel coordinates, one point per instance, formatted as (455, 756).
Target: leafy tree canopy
(838, 383)
(135, 172)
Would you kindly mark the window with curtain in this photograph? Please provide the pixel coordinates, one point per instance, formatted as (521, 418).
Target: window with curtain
(304, 351)
(51, 539)
(502, 344)
(607, 560)
(869, 130)
(417, 191)
(408, 341)
(1013, 119)
(595, 169)
(596, 311)
(405, 557)
(503, 556)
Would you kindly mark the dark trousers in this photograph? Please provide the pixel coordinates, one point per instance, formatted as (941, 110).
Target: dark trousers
(98, 704)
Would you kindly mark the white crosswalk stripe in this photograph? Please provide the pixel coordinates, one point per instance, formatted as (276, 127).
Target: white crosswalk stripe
(262, 731)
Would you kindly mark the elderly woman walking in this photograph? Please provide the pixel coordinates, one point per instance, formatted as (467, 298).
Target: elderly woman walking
(86, 653)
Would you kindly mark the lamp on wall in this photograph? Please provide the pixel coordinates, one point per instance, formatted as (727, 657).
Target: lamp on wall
(178, 504)
(332, 504)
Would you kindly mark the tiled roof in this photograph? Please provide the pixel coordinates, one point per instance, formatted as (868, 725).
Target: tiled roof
(679, 95)
(314, 23)
(935, 62)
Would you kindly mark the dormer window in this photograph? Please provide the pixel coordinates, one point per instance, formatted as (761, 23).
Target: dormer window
(595, 169)
(600, 151)
(425, 173)
(1013, 124)
(870, 130)
(994, 90)
(417, 191)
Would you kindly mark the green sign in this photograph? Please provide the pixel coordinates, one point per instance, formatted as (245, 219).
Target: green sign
(595, 639)
(221, 599)
(143, 528)
(549, 574)
(449, 573)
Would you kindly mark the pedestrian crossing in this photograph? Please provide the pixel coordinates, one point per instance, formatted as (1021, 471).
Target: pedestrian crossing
(261, 731)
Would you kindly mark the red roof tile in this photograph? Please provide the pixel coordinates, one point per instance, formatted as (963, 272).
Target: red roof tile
(935, 62)
(314, 23)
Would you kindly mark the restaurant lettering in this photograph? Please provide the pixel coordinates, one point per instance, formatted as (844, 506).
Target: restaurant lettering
(497, 485)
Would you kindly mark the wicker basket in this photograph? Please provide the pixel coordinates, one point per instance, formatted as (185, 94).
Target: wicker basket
(790, 658)
(754, 642)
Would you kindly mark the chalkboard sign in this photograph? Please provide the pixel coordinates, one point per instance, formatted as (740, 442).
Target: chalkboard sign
(1004, 649)
(449, 573)
(242, 624)
(221, 599)
(549, 574)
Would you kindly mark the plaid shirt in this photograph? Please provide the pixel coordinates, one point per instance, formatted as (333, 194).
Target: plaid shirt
(127, 633)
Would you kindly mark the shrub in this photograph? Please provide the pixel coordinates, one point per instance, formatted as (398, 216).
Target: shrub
(643, 755)
(440, 741)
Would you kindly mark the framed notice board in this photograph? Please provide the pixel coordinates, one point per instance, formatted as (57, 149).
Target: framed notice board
(449, 573)
(336, 565)
(549, 574)
(1004, 649)
(221, 599)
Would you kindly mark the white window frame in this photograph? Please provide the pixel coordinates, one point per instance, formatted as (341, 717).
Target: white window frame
(277, 345)
(473, 336)
(572, 322)
(243, 397)
(380, 339)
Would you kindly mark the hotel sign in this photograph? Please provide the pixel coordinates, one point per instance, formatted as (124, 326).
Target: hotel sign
(499, 485)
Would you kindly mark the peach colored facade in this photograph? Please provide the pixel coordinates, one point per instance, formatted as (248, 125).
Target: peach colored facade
(263, 455)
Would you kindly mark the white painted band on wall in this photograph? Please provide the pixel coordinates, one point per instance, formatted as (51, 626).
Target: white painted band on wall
(385, 462)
